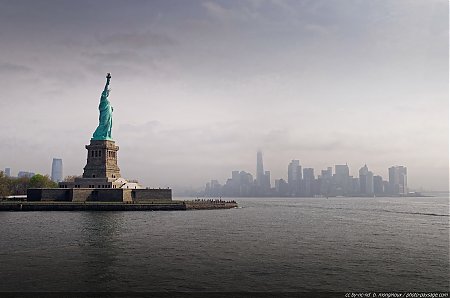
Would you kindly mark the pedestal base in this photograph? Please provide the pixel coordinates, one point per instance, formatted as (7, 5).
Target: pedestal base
(102, 160)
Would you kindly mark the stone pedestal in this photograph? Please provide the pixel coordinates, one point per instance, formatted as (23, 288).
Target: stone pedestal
(102, 160)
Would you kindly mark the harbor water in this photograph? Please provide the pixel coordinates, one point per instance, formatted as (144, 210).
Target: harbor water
(267, 244)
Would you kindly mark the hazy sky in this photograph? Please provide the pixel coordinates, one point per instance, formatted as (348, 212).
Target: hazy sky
(199, 86)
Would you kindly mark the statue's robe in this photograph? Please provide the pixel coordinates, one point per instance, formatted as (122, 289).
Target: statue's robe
(103, 131)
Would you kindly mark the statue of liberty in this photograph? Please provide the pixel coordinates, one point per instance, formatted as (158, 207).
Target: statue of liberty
(103, 131)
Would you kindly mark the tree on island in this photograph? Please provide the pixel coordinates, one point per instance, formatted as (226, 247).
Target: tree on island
(41, 181)
(4, 185)
(18, 186)
(71, 178)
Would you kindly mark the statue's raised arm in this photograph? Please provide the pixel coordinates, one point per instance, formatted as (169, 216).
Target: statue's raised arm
(103, 131)
(107, 89)
(108, 78)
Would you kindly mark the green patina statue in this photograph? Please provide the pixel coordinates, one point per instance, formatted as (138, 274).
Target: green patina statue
(103, 131)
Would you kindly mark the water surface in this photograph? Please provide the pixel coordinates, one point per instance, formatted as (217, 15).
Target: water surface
(270, 244)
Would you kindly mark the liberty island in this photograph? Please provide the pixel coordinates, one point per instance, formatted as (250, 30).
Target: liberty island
(101, 186)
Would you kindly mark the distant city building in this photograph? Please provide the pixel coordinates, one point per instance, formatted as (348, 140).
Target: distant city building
(240, 184)
(325, 182)
(259, 169)
(342, 184)
(307, 188)
(213, 188)
(386, 187)
(398, 182)
(235, 175)
(22, 174)
(8, 172)
(378, 187)
(355, 186)
(263, 186)
(57, 170)
(266, 182)
(327, 174)
(365, 181)
(342, 170)
(246, 184)
(281, 187)
(308, 174)
(294, 177)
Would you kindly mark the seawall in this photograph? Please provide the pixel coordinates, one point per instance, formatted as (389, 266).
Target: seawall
(209, 204)
(112, 206)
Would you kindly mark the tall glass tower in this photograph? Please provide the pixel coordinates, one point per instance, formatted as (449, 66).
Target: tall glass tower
(57, 170)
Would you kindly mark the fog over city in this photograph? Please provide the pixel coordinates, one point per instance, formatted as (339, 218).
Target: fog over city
(199, 86)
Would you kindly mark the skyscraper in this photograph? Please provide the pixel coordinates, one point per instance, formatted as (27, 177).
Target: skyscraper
(398, 182)
(57, 170)
(259, 169)
(215, 189)
(308, 182)
(365, 181)
(378, 185)
(294, 171)
(325, 182)
(342, 170)
(355, 186)
(8, 172)
(294, 177)
(308, 174)
(281, 187)
(327, 174)
(342, 180)
(266, 183)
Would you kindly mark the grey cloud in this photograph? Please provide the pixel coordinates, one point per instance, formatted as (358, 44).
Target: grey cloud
(127, 63)
(63, 77)
(226, 137)
(130, 58)
(12, 68)
(217, 11)
(142, 130)
(132, 54)
(137, 40)
(115, 57)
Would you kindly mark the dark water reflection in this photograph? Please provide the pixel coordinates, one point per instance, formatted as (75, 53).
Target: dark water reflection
(271, 244)
(100, 247)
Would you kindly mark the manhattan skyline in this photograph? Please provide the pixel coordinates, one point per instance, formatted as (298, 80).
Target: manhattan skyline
(308, 182)
(202, 85)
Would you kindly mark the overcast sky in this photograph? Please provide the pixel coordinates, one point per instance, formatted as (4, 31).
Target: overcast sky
(199, 86)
